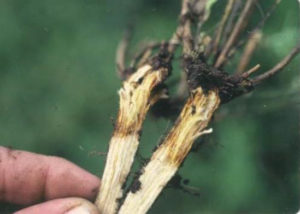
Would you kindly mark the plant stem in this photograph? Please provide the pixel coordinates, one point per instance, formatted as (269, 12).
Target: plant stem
(136, 96)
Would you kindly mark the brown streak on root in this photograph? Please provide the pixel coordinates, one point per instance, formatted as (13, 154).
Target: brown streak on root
(193, 119)
(136, 96)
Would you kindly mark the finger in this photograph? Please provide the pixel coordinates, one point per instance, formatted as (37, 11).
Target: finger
(62, 206)
(27, 178)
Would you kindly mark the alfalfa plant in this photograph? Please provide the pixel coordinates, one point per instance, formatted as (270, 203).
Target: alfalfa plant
(205, 85)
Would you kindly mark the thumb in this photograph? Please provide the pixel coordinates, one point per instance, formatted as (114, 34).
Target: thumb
(62, 206)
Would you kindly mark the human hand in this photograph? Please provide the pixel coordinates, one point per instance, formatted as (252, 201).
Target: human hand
(27, 179)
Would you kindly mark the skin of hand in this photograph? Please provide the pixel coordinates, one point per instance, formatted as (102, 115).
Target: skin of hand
(28, 179)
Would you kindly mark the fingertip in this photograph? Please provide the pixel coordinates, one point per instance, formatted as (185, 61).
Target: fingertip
(26, 178)
(66, 179)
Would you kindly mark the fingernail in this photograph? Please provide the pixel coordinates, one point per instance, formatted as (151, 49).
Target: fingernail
(82, 209)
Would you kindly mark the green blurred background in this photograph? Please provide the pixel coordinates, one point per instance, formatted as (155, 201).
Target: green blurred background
(58, 95)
